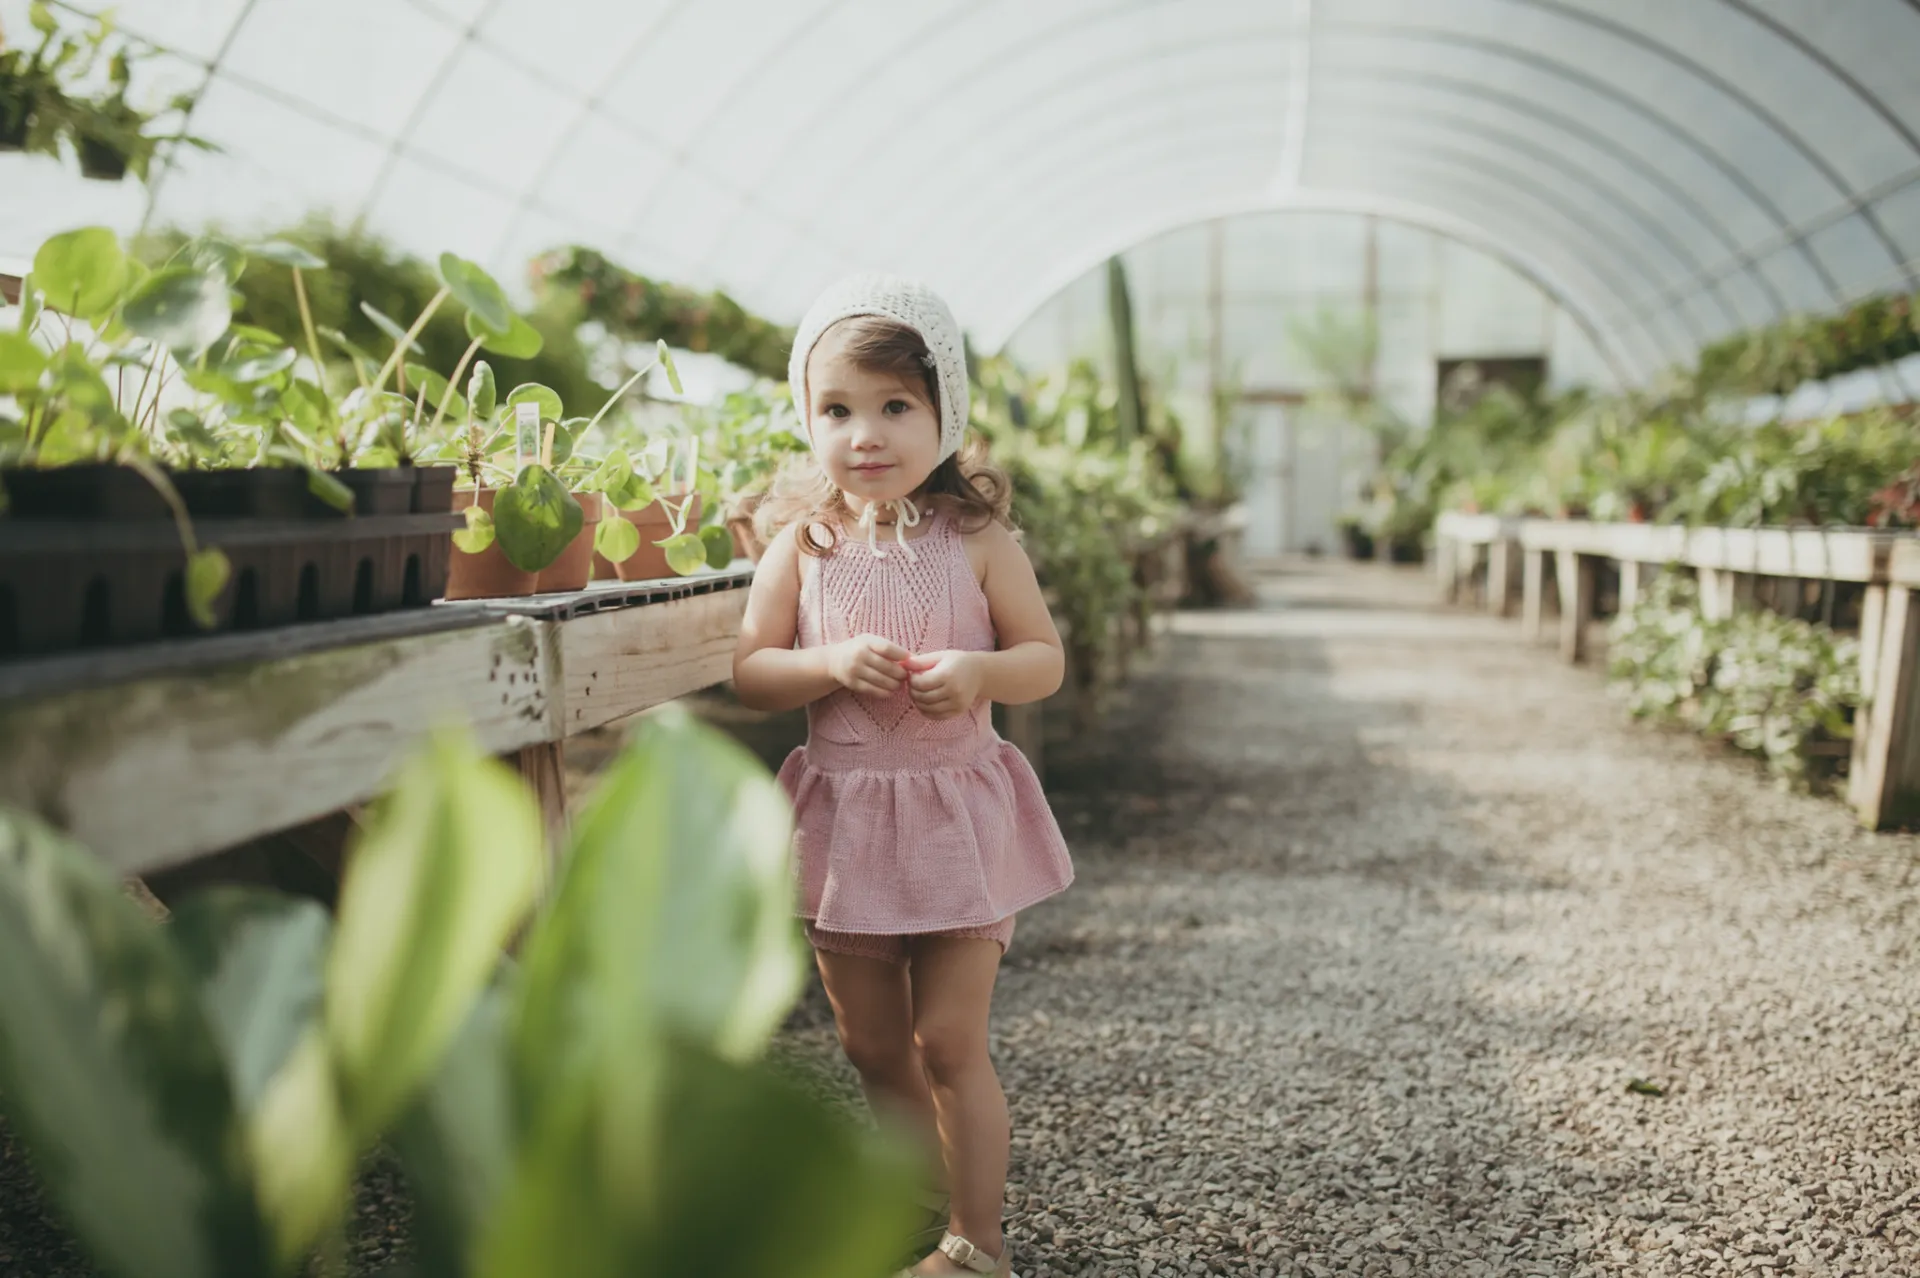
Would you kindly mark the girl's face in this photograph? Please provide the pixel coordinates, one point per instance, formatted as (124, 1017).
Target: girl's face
(875, 434)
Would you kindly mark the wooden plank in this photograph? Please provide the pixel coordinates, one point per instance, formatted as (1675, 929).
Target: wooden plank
(151, 772)
(1884, 786)
(1629, 584)
(1446, 566)
(1575, 574)
(1873, 619)
(1903, 563)
(1503, 567)
(1476, 529)
(1716, 594)
(615, 664)
(1841, 555)
(1533, 594)
(544, 768)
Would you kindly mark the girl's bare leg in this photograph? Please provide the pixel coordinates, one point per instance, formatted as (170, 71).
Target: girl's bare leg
(952, 988)
(873, 1012)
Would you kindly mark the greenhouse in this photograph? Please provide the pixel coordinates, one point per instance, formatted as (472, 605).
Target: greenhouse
(870, 639)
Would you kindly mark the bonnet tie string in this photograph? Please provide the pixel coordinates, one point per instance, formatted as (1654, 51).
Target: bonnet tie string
(907, 515)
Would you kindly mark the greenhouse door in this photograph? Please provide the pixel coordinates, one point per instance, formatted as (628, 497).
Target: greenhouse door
(1268, 451)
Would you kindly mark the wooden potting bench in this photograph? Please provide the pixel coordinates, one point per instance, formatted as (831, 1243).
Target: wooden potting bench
(157, 755)
(1883, 782)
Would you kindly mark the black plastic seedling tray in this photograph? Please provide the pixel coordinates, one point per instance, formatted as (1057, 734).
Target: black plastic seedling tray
(108, 492)
(74, 584)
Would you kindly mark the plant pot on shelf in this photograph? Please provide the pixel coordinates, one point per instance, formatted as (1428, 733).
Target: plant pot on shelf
(649, 563)
(101, 161)
(575, 564)
(13, 128)
(433, 489)
(489, 574)
(746, 540)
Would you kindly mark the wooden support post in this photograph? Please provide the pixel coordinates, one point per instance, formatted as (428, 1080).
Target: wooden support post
(1575, 575)
(1503, 576)
(1025, 727)
(1716, 594)
(1446, 565)
(1884, 782)
(1467, 564)
(1629, 584)
(1533, 594)
(544, 768)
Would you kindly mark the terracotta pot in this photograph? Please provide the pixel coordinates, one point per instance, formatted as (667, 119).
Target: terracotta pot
(575, 564)
(746, 542)
(650, 562)
(489, 574)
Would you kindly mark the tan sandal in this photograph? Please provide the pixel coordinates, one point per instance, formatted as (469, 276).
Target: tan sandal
(969, 1257)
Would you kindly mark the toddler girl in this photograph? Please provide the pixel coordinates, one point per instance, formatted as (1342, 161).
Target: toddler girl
(896, 606)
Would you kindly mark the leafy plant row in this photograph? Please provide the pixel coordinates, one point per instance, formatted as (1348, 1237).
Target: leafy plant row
(196, 1094)
(1779, 687)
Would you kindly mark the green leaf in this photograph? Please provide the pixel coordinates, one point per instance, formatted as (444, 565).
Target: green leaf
(328, 488)
(32, 300)
(353, 351)
(535, 519)
(629, 1182)
(73, 379)
(673, 372)
(210, 253)
(81, 272)
(718, 541)
(395, 332)
(110, 1074)
(456, 1145)
(551, 409)
(180, 308)
(306, 404)
(476, 290)
(257, 958)
(445, 873)
(686, 553)
(616, 539)
(282, 253)
(515, 340)
(207, 574)
(258, 368)
(21, 363)
(478, 534)
(42, 18)
(670, 911)
(1641, 1087)
(566, 438)
(437, 389)
(480, 390)
(187, 427)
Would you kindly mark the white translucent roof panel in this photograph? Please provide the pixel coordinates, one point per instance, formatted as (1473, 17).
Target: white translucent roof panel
(1667, 172)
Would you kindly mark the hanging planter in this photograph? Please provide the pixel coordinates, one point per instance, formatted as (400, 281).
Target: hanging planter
(101, 161)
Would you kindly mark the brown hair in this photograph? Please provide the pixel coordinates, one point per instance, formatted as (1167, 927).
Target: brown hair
(965, 485)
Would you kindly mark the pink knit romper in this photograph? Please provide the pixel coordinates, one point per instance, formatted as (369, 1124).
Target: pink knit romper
(906, 825)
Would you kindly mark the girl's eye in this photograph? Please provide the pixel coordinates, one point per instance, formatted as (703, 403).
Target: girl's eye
(898, 406)
(836, 410)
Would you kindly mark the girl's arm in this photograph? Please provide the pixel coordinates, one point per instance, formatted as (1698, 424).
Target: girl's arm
(1029, 662)
(770, 674)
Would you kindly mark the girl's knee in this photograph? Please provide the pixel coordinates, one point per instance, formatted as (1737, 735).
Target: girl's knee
(877, 1055)
(950, 1048)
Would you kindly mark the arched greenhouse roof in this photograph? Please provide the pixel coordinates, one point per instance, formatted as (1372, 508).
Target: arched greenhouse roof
(1668, 171)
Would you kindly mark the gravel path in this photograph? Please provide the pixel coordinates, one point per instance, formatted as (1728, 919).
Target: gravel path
(1379, 912)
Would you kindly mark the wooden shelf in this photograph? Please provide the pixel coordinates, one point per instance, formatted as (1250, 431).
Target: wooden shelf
(154, 756)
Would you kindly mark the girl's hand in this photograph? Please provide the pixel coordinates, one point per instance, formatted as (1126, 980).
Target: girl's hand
(946, 684)
(868, 665)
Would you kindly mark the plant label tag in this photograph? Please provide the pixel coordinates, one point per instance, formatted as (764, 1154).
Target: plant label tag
(526, 435)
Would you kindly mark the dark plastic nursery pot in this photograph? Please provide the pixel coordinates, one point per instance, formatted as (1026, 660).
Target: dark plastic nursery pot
(99, 161)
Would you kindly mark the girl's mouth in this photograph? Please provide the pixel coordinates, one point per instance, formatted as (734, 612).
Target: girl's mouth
(872, 468)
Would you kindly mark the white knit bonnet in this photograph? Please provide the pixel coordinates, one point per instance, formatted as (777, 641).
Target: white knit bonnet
(905, 302)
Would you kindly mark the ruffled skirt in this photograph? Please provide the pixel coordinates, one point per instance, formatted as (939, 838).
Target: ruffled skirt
(960, 842)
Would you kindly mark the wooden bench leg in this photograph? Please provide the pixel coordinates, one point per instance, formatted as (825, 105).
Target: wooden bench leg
(1503, 566)
(544, 768)
(1883, 784)
(1629, 584)
(1446, 565)
(1575, 574)
(1533, 594)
